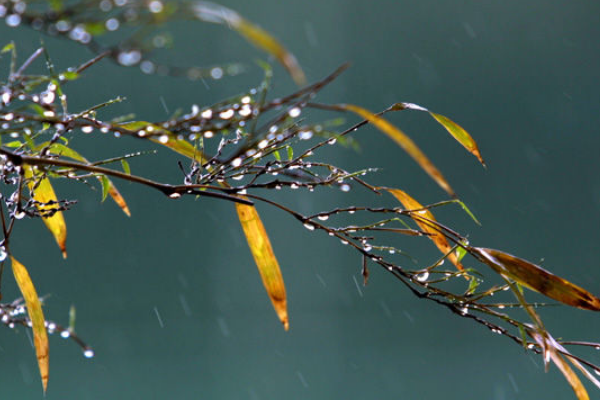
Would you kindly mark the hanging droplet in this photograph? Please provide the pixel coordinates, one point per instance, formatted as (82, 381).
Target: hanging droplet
(309, 226)
(87, 129)
(332, 141)
(3, 253)
(295, 112)
(65, 334)
(367, 247)
(175, 195)
(19, 214)
(236, 162)
(164, 139)
(345, 187)
(323, 217)
(88, 353)
(423, 276)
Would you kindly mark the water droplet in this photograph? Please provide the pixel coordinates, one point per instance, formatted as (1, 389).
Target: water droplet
(88, 353)
(277, 187)
(464, 310)
(206, 114)
(155, 6)
(295, 112)
(351, 211)
(19, 214)
(246, 99)
(3, 253)
(293, 186)
(345, 187)
(129, 58)
(209, 134)
(323, 217)
(112, 24)
(332, 141)
(5, 97)
(423, 276)
(175, 195)
(238, 177)
(263, 143)
(245, 111)
(344, 241)
(501, 306)
(305, 135)
(236, 162)
(164, 139)
(13, 20)
(87, 129)
(226, 114)
(367, 247)
(392, 251)
(216, 73)
(65, 334)
(308, 226)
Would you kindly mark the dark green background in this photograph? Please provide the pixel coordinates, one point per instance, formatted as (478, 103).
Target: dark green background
(522, 77)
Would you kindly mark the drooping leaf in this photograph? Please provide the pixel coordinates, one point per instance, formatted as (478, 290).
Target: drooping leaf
(457, 131)
(547, 343)
(265, 259)
(60, 149)
(422, 217)
(405, 142)
(105, 186)
(538, 279)
(34, 310)
(216, 13)
(43, 193)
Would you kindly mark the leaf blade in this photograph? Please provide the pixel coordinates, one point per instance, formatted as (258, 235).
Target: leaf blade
(43, 192)
(265, 259)
(434, 234)
(460, 134)
(405, 142)
(36, 315)
(538, 279)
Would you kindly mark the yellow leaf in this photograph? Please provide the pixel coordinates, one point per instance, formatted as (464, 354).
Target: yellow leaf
(62, 150)
(459, 134)
(452, 127)
(44, 193)
(267, 264)
(538, 279)
(34, 310)
(215, 13)
(405, 142)
(421, 218)
(182, 147)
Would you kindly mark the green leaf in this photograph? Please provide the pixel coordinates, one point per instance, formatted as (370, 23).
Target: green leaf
(8, 47)
(125, 166)
(105, 186)
(290, 152)
(277, 155)
(469, 213)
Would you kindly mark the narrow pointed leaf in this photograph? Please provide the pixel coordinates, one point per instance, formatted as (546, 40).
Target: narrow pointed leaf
(34, 310)
(457, 131)
(548, 345)
(538, 279)
(254, 34)
(434, 234)
(405, 142)
(44, 193)
(265, 259)
(60, 149)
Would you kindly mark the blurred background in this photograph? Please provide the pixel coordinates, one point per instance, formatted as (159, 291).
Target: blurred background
(170, 298)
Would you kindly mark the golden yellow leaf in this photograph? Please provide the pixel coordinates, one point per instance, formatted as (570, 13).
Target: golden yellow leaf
(216, 13)
(34, 310)
(265, 259)
(44, 193)
(421, 217)
(538, 279)
(405, 142)
(182, 147)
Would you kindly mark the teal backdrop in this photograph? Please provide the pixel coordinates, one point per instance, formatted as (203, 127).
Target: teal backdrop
(170, 298)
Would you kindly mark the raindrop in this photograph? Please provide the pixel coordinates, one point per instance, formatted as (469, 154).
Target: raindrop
(147, 67)
(88, 353)
(226, 114)
(216, 73)
(323, 217)
(129, 58)
(164, 139)
(332, 141)
(423, 276)
(155, 6)
(65, 334)
(392, 251)
(236, 162)
(112, 24)
(206, 114)
(344, 242)
(308, 226)
(175, 195)
(19, 214)
(87, 129)
(351, 211)
(245, 111)
(295, 112)
(293, 186)
(13, 20)
(3, 253)
(277, 187)
(209, 134)
(262, 144)
(246, 99)
(48, 97)
(5, 97)
(345, 187)
(238, 177)
(368, 247)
